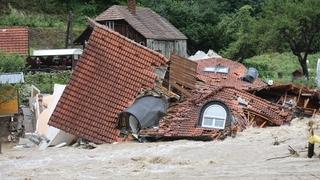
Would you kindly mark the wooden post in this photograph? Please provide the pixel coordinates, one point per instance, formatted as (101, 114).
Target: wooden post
(69, 38)
(310, 150)
(300, 90)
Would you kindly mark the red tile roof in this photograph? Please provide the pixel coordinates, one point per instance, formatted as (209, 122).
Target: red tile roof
(148, 23)
(14, 40)
(183, 118)
(110, 74)
(233, 78)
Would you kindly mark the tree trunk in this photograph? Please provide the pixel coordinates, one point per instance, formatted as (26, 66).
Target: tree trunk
(304, 65)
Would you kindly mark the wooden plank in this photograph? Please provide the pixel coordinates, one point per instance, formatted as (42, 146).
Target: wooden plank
(262, 125)
(183, 71)
(306, 103)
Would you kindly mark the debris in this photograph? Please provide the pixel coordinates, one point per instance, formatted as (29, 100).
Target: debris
(60, 145)
(84, 144)
(293, 152)
(276, 142)
(145, 112)
(185, 119)
(202, 55)
(251, 75)
(182, 72)
(233, 77)
(302, 100)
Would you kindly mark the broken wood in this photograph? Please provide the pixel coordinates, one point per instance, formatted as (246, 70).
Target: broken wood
(262, 125)
(285, 98)
(306, 103)
(300, 90)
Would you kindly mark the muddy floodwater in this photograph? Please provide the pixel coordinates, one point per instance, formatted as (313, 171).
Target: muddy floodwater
(243, 157)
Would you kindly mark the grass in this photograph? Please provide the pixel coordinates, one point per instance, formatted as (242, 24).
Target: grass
(279, 67)
(16, 17)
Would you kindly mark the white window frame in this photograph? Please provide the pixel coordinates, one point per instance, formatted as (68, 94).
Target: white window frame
(214, 118)
(217, 69)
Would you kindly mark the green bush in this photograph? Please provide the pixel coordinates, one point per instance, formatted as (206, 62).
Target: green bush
(11, 63)
(45, 81)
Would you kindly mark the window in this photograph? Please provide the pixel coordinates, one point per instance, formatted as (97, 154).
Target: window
(217, 69)
(110, 24)
(214, 116)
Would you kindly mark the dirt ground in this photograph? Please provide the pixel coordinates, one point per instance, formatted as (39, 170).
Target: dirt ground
(243, 157)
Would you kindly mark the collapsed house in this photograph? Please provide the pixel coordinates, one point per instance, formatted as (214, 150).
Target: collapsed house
(121, 88)
(217, 102)
(302, 100)
(110, 74)
(217, 112)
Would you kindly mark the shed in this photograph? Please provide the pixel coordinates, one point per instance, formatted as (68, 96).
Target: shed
(143, 26)
(54, 59)
(9, 94)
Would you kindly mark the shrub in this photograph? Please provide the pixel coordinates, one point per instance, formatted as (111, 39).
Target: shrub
(11, 63)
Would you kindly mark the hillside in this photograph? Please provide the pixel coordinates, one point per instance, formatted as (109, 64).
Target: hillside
(279, 67)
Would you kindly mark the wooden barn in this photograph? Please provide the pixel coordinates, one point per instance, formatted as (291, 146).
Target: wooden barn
(143, 26)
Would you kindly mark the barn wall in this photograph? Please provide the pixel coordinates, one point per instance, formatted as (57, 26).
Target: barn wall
(168, 47)
(122, 27)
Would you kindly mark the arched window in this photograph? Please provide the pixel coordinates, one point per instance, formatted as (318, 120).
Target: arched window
(214, 116)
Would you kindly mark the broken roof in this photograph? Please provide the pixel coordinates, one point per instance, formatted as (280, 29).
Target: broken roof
(148, 23)
(182, 120)
(14, 40)
(108, 77)
(232, 78)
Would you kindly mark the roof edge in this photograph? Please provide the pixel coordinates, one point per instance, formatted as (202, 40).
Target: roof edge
(91, 21)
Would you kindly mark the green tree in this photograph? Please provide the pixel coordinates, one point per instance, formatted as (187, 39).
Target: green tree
(238, 30)
(294, 24)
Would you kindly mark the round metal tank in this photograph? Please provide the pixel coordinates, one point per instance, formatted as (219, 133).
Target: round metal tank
(251, 75)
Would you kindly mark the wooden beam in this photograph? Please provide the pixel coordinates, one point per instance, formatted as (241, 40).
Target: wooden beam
(300, 90)
(262, 125)
(306, 103)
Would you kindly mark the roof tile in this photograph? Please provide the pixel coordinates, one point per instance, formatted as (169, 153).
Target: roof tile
(14, 40)
(148, 23)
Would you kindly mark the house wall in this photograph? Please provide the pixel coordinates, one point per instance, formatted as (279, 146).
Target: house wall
(122, 27)
(165, 47)
(178, 47)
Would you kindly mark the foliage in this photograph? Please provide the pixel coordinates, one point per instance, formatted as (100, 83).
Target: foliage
(291, 23)
(238, 28)
(11, 63)
(199, 20)
(45, 81)
(20, 18)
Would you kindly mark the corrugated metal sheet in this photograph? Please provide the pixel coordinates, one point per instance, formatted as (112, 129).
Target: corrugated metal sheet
(11, 78)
